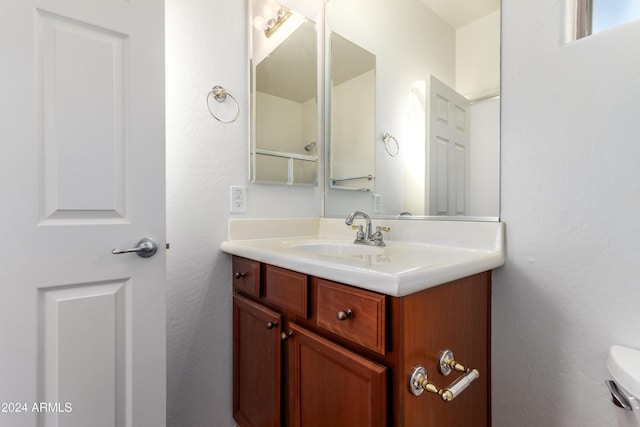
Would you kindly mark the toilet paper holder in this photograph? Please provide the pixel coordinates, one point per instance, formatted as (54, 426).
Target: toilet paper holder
(418, 381)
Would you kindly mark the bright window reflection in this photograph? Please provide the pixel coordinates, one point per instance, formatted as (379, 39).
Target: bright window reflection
(609, 13)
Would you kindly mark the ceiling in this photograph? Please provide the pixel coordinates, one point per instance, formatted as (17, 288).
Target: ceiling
(290, 70)
(352, 59)
(458, 13)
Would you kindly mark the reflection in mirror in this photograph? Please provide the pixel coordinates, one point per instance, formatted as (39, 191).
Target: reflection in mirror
(353, 115)
(284, 101)
(437, 92)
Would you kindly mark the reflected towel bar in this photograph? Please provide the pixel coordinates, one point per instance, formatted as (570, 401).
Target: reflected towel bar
(367, 177)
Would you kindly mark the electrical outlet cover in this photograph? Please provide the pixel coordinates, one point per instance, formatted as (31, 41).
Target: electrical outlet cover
(377, 203)
(238, 199)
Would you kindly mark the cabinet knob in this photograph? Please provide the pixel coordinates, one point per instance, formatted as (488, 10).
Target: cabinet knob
(285, 335)
(240, 275)
(344, 314)
(271, 325)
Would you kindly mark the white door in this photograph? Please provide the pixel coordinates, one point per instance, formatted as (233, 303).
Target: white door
(82, 331)
(448, 154)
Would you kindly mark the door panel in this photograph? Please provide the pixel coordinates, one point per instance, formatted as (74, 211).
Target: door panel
(459, 174)
(83, 113)
(85, 331)
(440, 177)
(82, 173)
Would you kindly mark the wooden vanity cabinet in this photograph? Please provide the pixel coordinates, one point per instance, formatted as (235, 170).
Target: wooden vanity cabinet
(310, 352)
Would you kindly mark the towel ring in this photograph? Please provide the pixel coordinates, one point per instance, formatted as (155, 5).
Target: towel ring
(386, 137)
(220, 94)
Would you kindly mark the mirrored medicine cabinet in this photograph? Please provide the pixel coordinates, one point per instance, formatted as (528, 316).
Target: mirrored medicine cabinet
(411, 106)
(284, 95)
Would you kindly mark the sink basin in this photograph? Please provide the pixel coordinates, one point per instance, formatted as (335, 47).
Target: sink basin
(421, 254)
(338, 249)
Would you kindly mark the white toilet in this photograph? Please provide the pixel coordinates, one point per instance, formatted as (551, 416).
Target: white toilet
(624, 366)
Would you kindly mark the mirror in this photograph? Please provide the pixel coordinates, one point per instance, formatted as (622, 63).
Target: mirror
(353, 115)
(284, 95)
(434, 137)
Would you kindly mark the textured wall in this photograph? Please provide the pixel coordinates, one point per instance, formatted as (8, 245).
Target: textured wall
(570, 151)
(206, 45)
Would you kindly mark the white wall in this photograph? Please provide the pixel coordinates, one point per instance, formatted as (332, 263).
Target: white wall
(279, 124)
(206, 45)
(353, 105)
(478, 57)
(570, 199)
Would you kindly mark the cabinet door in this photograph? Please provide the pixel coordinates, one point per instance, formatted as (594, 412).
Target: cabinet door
(257, 396)
(329, 385)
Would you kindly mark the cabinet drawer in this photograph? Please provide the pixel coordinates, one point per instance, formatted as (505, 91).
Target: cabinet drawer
(353, 313)
(286, 289)
(246, 275)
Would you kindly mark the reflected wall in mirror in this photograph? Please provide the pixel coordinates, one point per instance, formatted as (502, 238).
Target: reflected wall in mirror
(437, 93)
(353, 115)
(284, 95)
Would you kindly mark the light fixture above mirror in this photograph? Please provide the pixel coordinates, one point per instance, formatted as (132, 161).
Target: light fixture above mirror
(273, 22)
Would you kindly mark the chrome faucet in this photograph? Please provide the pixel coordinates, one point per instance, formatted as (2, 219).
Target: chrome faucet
(366, 237)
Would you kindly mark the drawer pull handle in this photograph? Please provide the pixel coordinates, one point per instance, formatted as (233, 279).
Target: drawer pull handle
(418, 381)
(271, 325)
(240, 275)
(344, 315)
(285, 335)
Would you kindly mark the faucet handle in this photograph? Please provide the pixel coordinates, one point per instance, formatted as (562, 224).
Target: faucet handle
(377, 236)
(360, 235)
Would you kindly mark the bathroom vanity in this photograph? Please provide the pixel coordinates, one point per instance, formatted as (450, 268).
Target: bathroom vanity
(310, 350)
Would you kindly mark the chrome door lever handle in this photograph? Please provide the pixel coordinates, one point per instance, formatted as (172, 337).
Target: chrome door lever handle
(145, 248)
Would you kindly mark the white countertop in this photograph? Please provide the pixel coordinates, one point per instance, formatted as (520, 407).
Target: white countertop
(425, 254)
